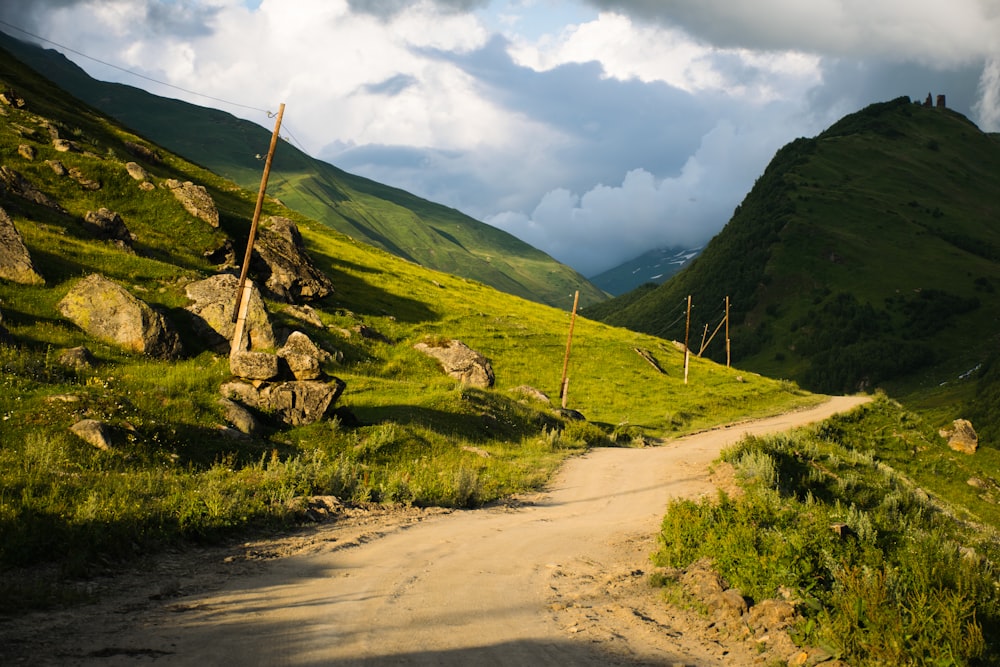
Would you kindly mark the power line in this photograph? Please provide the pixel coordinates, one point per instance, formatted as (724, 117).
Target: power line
(136, 74)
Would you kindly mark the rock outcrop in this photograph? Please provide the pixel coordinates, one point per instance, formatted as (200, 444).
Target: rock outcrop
(110, 313)
(15, 261)
(214, 302)
(280, 258)
(195, 200)
(460, 362)
(14, 183)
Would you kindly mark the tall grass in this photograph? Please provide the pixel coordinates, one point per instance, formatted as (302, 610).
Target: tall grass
(903, 581)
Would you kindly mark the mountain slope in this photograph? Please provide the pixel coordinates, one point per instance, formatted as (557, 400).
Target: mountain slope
(868, 254)
(404, 224)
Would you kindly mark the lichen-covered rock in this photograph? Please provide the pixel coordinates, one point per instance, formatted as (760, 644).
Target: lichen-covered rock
(15, 261)
(303, 358)
(280, 258)
(461, 362)
(253, 365)
(214, 302)
(110, 313)
(27, 151)
(195, 200)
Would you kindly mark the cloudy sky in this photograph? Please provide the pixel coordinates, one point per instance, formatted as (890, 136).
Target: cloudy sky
(592, 129)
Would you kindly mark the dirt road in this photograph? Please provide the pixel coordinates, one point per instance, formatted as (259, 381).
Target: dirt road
(559, 578)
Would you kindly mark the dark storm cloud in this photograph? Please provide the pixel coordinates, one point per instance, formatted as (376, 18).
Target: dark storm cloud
(945, 33)
(28, 14)
(182, 17)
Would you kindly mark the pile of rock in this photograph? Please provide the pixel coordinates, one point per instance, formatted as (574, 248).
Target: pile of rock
(289, 384)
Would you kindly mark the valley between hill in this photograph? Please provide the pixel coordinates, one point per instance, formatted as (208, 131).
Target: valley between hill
(558, 577)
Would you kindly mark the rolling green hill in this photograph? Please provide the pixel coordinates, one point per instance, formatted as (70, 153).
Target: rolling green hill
(404, 224)
(866, 256)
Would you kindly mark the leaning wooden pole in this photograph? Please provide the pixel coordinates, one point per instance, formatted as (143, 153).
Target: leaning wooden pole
(563, 385)
(243, 291)
(728, 355)
(687, 335)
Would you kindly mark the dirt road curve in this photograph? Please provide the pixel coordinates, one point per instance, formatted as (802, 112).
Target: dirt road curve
(558, 579)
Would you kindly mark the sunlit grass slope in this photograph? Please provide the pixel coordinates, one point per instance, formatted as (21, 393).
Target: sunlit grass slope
(386, 217)
(404, 432)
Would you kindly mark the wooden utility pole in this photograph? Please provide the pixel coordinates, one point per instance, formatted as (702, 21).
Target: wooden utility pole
(687, 334)
(243, 291)
(728, 355)
(564, 384)
(704, 336)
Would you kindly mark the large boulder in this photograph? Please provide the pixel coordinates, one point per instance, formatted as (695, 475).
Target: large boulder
(281, 260)
(15, 262)
(460, 362)
(296, 403)
(107, 311)
(195, 200)
(214, 302)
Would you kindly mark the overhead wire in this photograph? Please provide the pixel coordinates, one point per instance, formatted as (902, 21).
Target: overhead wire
(134, 73)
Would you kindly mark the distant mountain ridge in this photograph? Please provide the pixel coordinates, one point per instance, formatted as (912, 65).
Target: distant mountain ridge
(406, 225)
(868, 254)
(654, 266)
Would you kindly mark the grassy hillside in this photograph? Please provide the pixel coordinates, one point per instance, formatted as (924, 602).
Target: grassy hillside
(866, 256)
(404, 432)
(407, 226)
